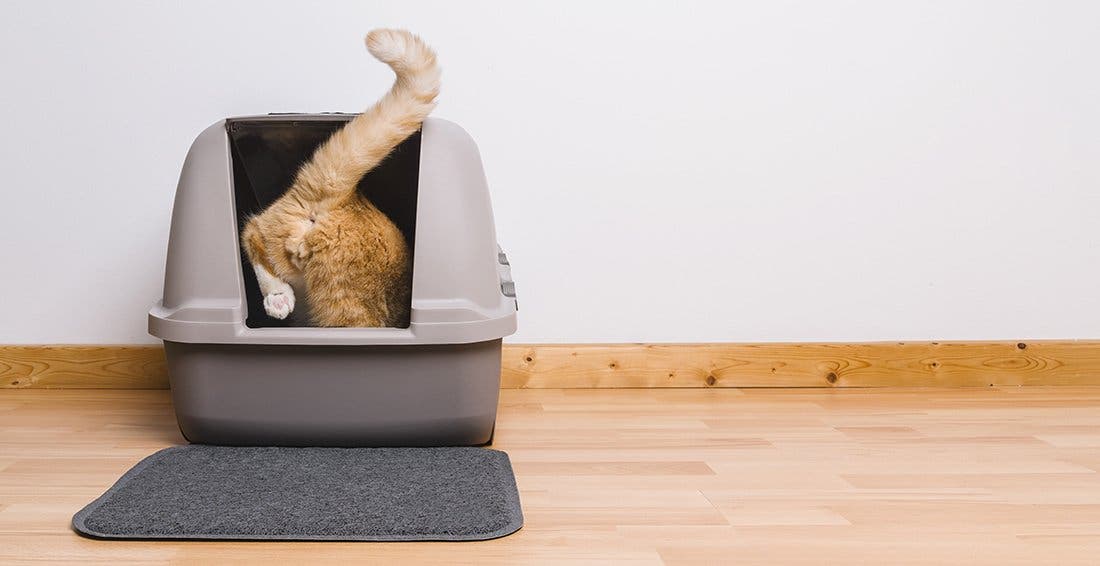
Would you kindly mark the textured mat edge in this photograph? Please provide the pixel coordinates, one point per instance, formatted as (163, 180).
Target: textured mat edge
(515, 523)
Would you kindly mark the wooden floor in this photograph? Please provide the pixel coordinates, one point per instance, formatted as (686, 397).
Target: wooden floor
(960, 476)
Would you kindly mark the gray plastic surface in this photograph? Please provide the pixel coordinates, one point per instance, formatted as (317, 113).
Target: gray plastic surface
(435, 383)
(456, 294)
(257, 395)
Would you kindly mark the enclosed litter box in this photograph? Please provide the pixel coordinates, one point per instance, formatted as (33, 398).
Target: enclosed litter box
(240, 377)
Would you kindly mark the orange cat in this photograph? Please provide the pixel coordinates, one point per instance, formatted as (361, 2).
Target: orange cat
(325, 239)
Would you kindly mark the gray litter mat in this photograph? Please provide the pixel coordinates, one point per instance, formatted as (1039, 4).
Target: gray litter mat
(352, 494)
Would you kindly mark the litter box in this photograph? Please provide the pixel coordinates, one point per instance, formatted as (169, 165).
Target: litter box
(240, 377)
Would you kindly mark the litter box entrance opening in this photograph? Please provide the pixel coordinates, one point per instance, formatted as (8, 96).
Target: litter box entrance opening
(266, 155)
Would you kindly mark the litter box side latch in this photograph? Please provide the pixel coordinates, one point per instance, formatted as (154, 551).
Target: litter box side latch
(507, 285)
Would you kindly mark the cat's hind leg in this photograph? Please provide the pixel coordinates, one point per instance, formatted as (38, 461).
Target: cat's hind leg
(296, 243)
(298, 250)
(278, 294)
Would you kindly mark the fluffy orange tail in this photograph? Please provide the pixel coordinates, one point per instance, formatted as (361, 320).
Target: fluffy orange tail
(337, 166)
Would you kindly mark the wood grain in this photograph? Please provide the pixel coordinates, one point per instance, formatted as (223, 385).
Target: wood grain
(980, 476)
(83, 367)
(882, 364)
(885, 364)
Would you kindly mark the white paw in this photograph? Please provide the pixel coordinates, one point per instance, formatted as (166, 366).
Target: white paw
(279, 304)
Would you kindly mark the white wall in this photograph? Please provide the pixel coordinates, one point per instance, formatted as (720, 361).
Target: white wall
(661, 171)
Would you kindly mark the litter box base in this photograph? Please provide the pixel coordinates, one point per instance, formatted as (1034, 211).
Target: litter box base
(361, 396)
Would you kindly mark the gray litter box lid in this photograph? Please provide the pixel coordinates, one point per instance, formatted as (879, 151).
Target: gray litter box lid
(462, 286)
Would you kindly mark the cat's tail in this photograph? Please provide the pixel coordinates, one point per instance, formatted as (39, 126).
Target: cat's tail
(338, 165)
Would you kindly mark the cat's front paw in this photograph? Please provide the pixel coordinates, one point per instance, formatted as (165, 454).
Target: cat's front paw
(278, 305)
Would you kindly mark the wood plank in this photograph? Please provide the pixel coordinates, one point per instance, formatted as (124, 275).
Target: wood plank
(536, 366)
(882, 476)
(83, 367)
(884, 364)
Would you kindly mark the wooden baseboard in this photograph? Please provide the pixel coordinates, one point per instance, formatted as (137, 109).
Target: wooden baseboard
(879, 364)
(83, 367)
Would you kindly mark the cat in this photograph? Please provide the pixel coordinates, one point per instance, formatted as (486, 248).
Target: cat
(324, 240)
